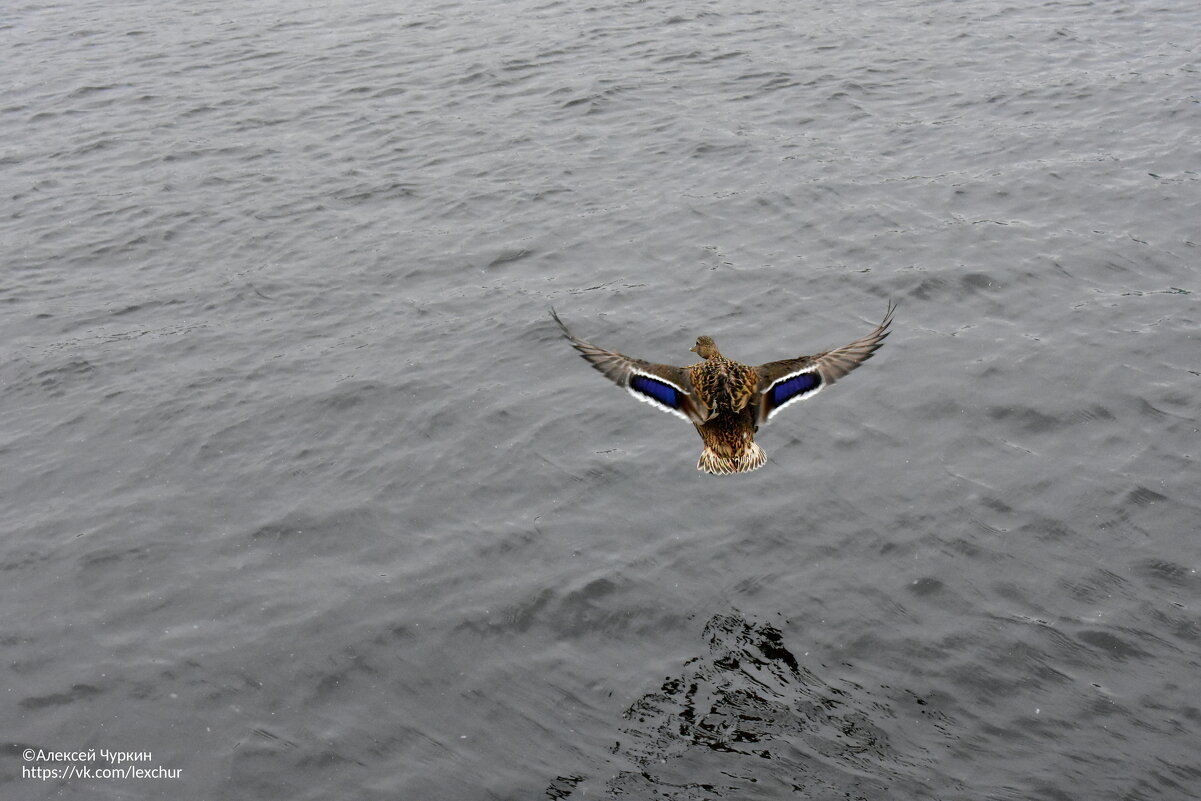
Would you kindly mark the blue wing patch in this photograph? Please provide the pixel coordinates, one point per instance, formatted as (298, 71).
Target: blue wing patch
(789, 388)
(657, 390)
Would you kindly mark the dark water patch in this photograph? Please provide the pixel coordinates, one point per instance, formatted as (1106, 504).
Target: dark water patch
(563, 786)
(274, 740)
(1092, 414)
(1179, 623)
(1098, 586)
(1167, 572)
(1142, 496)
(78, 692)
(587, 604)
(1111, 644)
(980, 282)
(1047, 528)
(58, 380)
(106, 558)
(748, 720)
(1027, 420)
(508, 256)
(365, 192)
(927, 587)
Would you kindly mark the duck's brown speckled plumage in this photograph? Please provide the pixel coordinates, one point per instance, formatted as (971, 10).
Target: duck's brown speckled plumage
(726, 388)
(725, 400)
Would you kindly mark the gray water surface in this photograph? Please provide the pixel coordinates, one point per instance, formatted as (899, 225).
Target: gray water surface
(304, 495)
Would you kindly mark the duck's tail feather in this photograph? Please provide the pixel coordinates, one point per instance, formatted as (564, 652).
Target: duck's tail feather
(749, 458)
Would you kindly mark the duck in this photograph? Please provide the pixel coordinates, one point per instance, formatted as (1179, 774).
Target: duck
(726, 400)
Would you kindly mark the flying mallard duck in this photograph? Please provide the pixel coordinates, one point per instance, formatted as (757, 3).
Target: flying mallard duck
(725, 400)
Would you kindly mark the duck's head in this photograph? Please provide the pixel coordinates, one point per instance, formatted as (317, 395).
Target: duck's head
(705, 347)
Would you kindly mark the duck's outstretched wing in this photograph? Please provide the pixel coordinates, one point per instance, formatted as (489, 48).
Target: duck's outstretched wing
(785, 382)
(661, 385)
